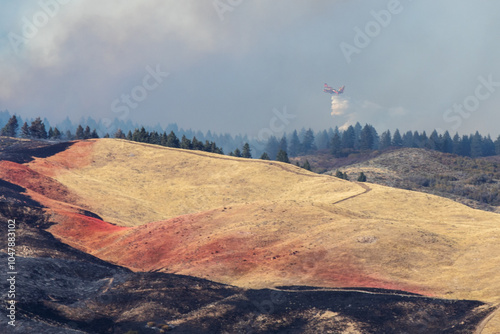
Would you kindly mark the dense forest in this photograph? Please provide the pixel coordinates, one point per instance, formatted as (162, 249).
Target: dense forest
(340, 143)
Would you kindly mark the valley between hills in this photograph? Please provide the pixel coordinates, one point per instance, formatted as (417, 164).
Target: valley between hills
(256, 225)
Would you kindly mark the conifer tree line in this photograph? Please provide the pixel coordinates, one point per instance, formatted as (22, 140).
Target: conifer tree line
(170, 140)
(359, 139)
(340, 143)
(37, 130)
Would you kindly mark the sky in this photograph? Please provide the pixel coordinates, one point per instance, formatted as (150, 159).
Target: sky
(254, 67)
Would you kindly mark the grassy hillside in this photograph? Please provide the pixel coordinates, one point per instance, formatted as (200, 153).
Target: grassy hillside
(261, 224)
(474, 182)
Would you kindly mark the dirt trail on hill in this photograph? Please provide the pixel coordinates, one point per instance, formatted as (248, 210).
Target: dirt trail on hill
(364, 186)
(480, 327)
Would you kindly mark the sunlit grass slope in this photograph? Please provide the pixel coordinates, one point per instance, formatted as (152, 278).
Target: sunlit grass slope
(132, 184)
(260, 223)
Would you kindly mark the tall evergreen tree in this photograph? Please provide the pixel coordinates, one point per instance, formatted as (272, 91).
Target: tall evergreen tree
(447, 143)
(119, 134)
(37, 129)
(306, 165)
(465, 148)
(94, 134)
(25, 131)
(385, 140)
(172, 140)
(434, 143)
(348, 138)
(87, 134)
(272, 147)
(283, 145)
(10, 129)
(362, 177)
(282, 156)
(366, 140)
(237, 153)
(336, 145)
(50, 134)
(308, 142)
(408, 139)
(79, 134)
(322, 140)
(186, 143)
(264, 156)
(294, 147)
(476, 145)
(246, 152)
(357, 135)
(57, 133)
(396, 139)
(457, 144)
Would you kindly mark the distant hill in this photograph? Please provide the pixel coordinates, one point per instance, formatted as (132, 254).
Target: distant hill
(474, 182)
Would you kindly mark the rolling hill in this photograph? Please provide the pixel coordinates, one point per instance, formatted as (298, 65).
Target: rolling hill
(259, 224)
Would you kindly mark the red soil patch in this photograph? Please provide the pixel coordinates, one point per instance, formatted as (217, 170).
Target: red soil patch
(25, 177)
(182, 245)
(77, 156)
(83, 232)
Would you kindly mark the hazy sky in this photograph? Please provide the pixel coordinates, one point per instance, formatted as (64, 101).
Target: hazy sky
(238, 65)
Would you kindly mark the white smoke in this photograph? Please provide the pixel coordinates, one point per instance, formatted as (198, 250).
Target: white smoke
(339, 105)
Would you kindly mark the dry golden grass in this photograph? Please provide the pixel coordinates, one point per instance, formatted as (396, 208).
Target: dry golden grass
(252, 210)
(131, 183)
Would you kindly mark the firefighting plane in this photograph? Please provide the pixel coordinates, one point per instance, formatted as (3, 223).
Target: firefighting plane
(330, 90)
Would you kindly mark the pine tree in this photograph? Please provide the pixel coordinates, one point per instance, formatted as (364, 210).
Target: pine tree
(385, 140)
(446, 143)
(237, 153)
(408, 139)
(348, 138)
(119, 134)
(456, 144)
(264, 156)
(106, 135)
(294, 147)
(94, 134)
(366, 140)
(87, 134)
(476, 145)
(362, 177)
(306, 165)
(282, 156)
(129, 135)
(185, 143)
(51, 133)
(341, 175)
(172, 140)
(37, 129)
(25, 131)
(396, 139)
(272, 147)
(79, 134)
(196, 144)
(308, 142)
(246, 153)
(283, 144)
(336, 145)
(10, 129)
(434, 141)
(57, 133)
